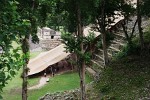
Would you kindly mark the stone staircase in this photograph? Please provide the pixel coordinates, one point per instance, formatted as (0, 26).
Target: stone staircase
(97, 62)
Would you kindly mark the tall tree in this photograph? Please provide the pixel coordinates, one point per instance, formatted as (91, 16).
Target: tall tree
(103, 32)
(76, 19)
(82, 62)
(18, 21)
(25, 49)
(139, 20)
(28, 11)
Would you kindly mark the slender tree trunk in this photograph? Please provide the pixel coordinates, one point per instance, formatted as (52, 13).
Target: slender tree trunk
(105, 54)
(82, 62)
(125, 30)
(82, 80)
(139, 20)
(25, 49)
(24, 84)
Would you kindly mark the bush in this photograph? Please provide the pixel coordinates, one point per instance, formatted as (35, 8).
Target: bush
(147, 36)
(105, 88)
(129, 49)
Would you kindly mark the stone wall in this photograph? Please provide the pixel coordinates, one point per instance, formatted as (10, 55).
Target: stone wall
(49, 44)
(66, 95)
(73, 94)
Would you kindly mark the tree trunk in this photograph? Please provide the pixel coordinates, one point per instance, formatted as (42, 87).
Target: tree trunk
(105, 54)
(125, 30)
(25, 49)
(24, 84)
(139, 20)
(82, 62)
(82, 80)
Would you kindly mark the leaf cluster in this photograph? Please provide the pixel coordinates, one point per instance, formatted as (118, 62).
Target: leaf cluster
(73, 44)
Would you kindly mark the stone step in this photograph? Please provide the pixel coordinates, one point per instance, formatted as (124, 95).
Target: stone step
(109, 54)
(100, 50)
(117, 46)
(112, 52)
(96, 69)
(117, 42)
(91, 71)
(119, 35)
(98, 63)
(99, 57)
(113, 48)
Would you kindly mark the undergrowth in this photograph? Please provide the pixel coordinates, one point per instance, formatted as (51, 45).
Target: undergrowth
(134, 47)
(126, 79)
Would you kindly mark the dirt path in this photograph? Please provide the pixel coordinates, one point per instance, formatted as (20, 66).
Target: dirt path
(42, 82)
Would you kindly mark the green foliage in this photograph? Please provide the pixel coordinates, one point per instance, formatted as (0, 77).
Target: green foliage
(15, 83)
(128, 49)
(109, 38)
(63, 13)
(134, 48)
(146, 8)
(18, 20)
(127, 9)
(9, 65)
(109, 10)
(73, 44)
(11, 60)
(99, 44)
(105, 88)
(147, 36)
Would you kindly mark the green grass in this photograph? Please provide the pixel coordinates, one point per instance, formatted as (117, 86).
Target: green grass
(33, 81)
(66, 81)
(34, 54)
(58, 83)
(15, 84)
(12, 91)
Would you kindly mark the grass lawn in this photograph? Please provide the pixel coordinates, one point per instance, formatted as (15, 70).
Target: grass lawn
(63, 82)
(66, 81)
(14, 85)
(34, 54)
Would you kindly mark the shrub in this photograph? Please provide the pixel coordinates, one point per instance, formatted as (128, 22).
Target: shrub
(129, 49)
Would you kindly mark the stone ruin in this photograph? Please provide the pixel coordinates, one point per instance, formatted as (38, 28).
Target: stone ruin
(49, 38)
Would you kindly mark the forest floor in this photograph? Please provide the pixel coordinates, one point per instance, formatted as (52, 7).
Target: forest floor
(126, 79)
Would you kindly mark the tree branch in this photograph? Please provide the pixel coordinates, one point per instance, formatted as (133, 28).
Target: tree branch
(124, 29)
(133, 29)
